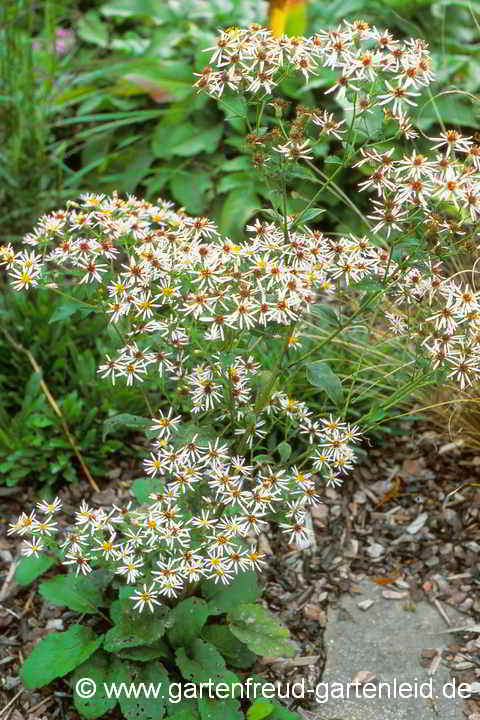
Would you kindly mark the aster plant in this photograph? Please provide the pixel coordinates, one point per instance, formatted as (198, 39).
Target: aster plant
(221, 327)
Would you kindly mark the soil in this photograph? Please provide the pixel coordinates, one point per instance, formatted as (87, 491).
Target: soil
(407, 519)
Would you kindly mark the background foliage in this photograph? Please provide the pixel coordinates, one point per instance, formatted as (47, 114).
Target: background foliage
(97, 96)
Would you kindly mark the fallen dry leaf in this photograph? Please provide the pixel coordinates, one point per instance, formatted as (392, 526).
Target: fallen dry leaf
(413, 467)
(394, 594)
(417, 524)
(314, 612)
(385, 580)
(365, 604)
(363, 676)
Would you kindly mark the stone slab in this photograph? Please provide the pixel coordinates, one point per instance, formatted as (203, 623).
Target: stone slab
(386, 640)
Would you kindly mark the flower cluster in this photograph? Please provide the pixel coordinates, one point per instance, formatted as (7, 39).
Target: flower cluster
(254, 61)
(171, 542)
(435, 196)
(191, 308)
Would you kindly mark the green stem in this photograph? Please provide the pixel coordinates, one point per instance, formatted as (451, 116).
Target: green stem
(338, 192)
(340, 329)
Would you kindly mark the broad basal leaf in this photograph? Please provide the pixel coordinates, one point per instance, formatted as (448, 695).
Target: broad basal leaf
(202, 663)
(29, 568)
(235, 652)
(224, 598)
(101, 668)
(82, 594)
(219, 709)
(188, 618)
(260, 631)
(132, 628)
(58, 654)
(151, 705)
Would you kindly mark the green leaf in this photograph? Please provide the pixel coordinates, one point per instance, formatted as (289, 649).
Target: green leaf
(333, 160)
(165, 138)
(325, 313)
(180, 708)
(224, 598)
(142, 488)
(218, 709)
(189, 189)
(185, 140)
(132, 628)
(205, 140)
(102, 669)
(235, 109)
(184, 715)
(187, 430)
(259, 710)
(242, 179)
(165, 80)
(260, 631)
(188, 619)
(68, 308)
(58, 654)
(368, 285)
(281, 713)
(321, 375)
(203, 663)
(91, 29)
(238, 208)
(111, 424)
(242, 162)
(32, 391)
(234, 651)
(155, 678)
(82, 594)
(263, 459)
(311, 214)
(30, 568)
(454, 109)
(134, 8)
(145, 653)
(284, 450)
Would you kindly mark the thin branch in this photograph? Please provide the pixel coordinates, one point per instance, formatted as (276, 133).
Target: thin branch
(55, 407)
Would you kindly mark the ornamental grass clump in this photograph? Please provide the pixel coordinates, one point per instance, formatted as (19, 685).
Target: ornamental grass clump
(214, 333)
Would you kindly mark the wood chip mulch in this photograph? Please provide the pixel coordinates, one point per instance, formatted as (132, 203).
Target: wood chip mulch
(408, 519)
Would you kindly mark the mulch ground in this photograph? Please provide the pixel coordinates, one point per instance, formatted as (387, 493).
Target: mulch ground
(408, 519)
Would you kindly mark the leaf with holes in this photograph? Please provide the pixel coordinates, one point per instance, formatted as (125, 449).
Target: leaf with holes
(155, 678)
(203, 663)
(234, 651)
(224, 598)
(132, 628)
(102, 669)
(260, 631)
(188, 617)
(218, 709)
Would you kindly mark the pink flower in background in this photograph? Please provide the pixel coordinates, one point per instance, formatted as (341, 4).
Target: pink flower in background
(64, 41)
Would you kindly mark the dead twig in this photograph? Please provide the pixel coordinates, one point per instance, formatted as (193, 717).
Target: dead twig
(36, 707)
(55, 407)
(442, 612)
(11, 701)
(8, 581)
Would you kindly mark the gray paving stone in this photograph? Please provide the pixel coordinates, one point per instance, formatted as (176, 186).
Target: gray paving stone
(386, 640)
